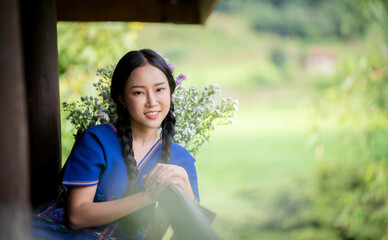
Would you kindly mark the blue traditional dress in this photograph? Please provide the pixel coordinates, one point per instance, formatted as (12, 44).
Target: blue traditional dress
(97, 159)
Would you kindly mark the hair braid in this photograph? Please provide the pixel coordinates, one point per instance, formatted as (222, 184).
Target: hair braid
(168, 131)
(125, 133)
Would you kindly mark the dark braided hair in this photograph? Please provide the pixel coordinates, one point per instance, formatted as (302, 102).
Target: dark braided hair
(123, 70)
(168, 131)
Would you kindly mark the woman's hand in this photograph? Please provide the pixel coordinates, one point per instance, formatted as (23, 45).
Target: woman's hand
(163, 175)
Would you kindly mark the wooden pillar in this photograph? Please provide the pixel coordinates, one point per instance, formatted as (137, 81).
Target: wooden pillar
(14, 187)
(41, 74)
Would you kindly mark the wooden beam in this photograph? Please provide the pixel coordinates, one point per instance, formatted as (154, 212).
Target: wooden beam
(164, 11)
(187, 219)
(206, 7)
(14, 187)
(41, 74)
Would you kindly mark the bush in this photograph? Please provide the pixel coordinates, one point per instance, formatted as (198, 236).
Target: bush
(358, 107)
(310, 19)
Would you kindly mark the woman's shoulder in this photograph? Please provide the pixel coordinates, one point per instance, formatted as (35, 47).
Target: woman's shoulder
(102, 134)
(102, 129)
(178, 148)
(180, 153)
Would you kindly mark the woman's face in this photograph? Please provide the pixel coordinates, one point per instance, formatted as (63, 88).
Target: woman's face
(146, 97)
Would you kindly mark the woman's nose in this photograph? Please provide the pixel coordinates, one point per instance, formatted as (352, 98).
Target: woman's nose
(151, 100)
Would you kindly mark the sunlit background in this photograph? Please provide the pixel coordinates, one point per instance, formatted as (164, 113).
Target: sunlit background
(307, 156)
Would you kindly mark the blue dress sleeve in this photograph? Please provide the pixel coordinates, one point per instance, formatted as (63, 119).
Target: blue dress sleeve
(192, 173)
(85, 163)
(180, 156)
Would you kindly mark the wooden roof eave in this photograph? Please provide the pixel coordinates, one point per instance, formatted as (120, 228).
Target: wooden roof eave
(162, 11)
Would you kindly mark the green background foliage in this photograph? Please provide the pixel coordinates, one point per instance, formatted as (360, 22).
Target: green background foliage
(307, 155)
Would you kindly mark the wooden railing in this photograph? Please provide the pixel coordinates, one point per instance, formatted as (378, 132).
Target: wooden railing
(188, 220)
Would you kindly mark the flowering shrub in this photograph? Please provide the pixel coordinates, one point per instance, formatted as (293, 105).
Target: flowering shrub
(197, 112)
(91, 111)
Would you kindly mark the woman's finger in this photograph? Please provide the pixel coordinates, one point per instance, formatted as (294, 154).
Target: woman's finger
(173, 171)
(157, 190)
(153, 175)
(161, 173)
(176, 181)
(147, 178)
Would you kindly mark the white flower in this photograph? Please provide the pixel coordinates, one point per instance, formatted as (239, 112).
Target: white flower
(104, 116)
(216, 87)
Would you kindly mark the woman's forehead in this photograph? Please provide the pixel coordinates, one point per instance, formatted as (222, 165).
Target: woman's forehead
(146, 74)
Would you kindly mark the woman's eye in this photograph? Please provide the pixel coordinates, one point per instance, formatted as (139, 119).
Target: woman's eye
(138, 93)
(159, 89)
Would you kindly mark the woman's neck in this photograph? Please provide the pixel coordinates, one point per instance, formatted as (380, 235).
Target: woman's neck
(143, 141)
(145, 137)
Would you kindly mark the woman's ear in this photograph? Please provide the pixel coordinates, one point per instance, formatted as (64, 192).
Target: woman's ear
(121, 100)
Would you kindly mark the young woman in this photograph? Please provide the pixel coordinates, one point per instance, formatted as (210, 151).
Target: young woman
(116, 171)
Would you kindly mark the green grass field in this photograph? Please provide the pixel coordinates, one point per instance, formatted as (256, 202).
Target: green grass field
(244, 164)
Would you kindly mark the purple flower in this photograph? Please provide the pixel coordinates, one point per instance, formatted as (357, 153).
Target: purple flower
(177, 82)
(172, 68)
(181, 77)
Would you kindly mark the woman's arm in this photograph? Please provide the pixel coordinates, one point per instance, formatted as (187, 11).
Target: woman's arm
(83, 212)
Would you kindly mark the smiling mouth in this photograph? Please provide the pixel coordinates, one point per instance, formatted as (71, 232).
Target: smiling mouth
(153, 114)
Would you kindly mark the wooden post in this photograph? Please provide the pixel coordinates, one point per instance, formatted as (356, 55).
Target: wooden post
(41, 74)
(14, 187)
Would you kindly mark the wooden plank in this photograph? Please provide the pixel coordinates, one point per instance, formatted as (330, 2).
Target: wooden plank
(159, 224)
(14, 187)
(41, 74)
(187, 219)
(165, 11)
